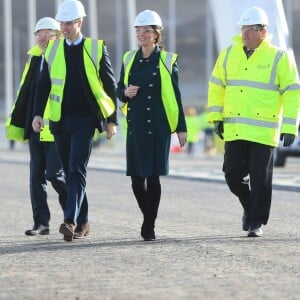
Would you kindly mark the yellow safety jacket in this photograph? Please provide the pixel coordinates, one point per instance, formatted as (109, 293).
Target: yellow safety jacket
(167, 59)
(256, 98)
(92, 54)
(16, 132)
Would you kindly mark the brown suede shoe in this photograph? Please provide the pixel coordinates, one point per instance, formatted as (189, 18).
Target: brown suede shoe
(81, 231)
(67, 230)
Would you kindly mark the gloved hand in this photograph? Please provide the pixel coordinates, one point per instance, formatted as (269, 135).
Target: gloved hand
(287, 138)
(219, 129)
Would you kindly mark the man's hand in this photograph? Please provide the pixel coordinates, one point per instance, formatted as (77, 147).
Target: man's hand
(111, 130)
(38, 123)
(287, 138)
(219, 129)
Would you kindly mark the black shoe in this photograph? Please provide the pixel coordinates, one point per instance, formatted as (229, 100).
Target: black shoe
(38, 229)
(255, 231)
(245, 222)
(149, 237)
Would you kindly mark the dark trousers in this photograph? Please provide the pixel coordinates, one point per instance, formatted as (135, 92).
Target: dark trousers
(147, 191)
(248, 169)
(44, 165)
(74, 142)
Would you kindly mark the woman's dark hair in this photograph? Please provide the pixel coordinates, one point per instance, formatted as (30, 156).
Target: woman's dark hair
(158, 40)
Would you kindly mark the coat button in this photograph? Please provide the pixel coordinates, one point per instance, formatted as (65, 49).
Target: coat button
(148, 108)
(148, 121)
(149, 132)
(150, 85)
(149, 97)
(140, 60)
(154, 73)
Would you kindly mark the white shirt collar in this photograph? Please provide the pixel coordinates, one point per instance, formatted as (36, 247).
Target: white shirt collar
(76, 42)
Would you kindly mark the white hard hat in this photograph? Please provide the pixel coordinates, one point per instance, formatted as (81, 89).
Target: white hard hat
(70, 10)
(46, 23)
(148, 17)
(254, 15)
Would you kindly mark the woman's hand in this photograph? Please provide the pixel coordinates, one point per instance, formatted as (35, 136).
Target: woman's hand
(181, 138)
(111, 130)
(131, 91)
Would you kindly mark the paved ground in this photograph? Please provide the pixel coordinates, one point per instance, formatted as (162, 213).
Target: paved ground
(200, 251)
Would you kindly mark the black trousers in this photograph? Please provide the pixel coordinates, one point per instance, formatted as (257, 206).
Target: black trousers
(74, 143)
(147, 191)
(248, 169)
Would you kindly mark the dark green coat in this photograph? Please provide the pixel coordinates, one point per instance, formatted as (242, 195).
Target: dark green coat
(148, 132)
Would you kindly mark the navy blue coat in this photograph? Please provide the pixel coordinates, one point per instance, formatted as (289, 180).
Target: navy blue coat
(148, 132)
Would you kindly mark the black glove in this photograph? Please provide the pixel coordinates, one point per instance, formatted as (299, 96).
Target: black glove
(287, 138)
(219, 129)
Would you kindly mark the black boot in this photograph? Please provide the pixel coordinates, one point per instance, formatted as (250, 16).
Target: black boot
(147, 230)
(151, 208)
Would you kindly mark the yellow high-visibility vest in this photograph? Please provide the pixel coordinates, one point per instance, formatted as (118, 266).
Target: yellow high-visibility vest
(92, 55)
(166, 61)
(256, 98)
(14, 132)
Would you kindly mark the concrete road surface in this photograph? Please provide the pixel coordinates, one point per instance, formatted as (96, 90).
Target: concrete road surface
(200, 252)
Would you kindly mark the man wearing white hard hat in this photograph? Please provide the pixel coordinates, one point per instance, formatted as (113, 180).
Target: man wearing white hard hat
(44, 162)
(253, 101)
(77, 73)
(149, 88)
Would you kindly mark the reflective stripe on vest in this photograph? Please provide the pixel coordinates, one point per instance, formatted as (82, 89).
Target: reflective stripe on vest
(166, 61)
(253, 122)
(218, 109)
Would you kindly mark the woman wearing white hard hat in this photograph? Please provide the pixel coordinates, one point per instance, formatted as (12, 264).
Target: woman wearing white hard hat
(44, 162)
(149, 88)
